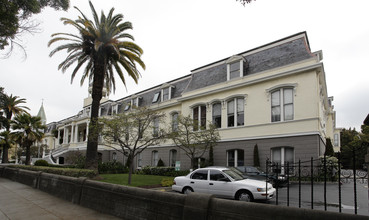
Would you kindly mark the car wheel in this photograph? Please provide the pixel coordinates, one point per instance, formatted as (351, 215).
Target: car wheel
(245, 196)
(187, 190)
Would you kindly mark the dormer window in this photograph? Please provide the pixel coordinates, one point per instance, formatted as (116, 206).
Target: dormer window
(236, 65)
(234, 70)
(156, 97)
(127, 107)
(165, 94)
(166, 91)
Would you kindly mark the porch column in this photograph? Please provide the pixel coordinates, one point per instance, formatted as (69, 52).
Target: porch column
(64, 135)
(87, 125)
(72, 134)
(58, 140)
(76, 134)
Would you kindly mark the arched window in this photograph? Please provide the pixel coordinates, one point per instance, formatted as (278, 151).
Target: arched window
(282, 104)
(235, 158)
(172, 158)
(217, 114)
(235, 112)
(199, 117)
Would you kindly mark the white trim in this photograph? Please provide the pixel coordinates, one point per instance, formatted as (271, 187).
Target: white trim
(251, 82)
(270, 136)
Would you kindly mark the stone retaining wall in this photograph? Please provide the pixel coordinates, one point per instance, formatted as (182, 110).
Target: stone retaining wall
(136, 203)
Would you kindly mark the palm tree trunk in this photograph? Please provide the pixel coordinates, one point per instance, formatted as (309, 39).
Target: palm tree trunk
(93, 132)
(5, 153)
(28, 154)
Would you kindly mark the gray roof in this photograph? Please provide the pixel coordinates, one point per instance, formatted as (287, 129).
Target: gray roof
(281, 55)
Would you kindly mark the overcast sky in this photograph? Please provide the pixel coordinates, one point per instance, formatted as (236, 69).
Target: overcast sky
(179, 36)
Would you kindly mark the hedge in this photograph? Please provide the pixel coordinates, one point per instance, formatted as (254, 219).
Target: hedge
(60, 171)
(162, 171)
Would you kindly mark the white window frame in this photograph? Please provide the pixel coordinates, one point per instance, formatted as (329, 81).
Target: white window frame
(174, 121)
(139, 160)
(212, 114)
(235, 111)
(172, 160)
(336, 140)
(155, 131)
(236, 152)
(282, 104)
(283, 162)
(233, 60)
(156, 97)
(154, 158)
(169, 88)
(199, 116)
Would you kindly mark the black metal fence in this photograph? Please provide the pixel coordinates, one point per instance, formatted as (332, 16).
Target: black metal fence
(315, 171)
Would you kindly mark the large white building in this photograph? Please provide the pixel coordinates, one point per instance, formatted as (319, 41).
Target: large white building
(274, 96)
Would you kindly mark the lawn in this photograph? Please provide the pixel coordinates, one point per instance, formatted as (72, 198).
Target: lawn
(147, 181)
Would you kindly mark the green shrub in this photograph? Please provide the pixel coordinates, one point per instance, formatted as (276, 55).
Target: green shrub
(41, 163)
(59, 171)
(161, 163)
(112, 167)
(162, 171)
(166, 182)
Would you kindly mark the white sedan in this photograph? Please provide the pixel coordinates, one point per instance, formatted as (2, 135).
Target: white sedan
(225, 183)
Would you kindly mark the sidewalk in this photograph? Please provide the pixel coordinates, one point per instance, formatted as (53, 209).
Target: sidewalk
(18, 201)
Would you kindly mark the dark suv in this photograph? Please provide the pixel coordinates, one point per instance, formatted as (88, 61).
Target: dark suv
(255, 173)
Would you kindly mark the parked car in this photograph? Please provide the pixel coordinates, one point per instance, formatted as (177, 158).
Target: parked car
(255, 173)
(224, 183)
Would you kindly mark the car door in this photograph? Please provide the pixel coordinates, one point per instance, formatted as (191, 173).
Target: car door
(199, 181)
(220, 185)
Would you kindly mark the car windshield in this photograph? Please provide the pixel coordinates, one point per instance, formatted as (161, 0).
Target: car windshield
(233, 175)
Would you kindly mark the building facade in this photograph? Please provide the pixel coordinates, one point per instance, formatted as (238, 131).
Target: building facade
(274, 96)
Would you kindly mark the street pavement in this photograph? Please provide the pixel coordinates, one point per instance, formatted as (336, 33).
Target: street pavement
(332, 197)
(18, 201)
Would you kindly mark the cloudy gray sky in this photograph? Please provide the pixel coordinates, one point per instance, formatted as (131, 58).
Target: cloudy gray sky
(179, 36)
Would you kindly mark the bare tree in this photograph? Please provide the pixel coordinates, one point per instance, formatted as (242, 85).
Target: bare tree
(131, 133)
(244, 1)
(193, 141)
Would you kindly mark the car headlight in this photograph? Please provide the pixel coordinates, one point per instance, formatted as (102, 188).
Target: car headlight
(261, 189)
(281, 177)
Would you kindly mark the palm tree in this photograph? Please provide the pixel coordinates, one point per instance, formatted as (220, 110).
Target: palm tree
(10, 105)
(101, 45)
(27, 130)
